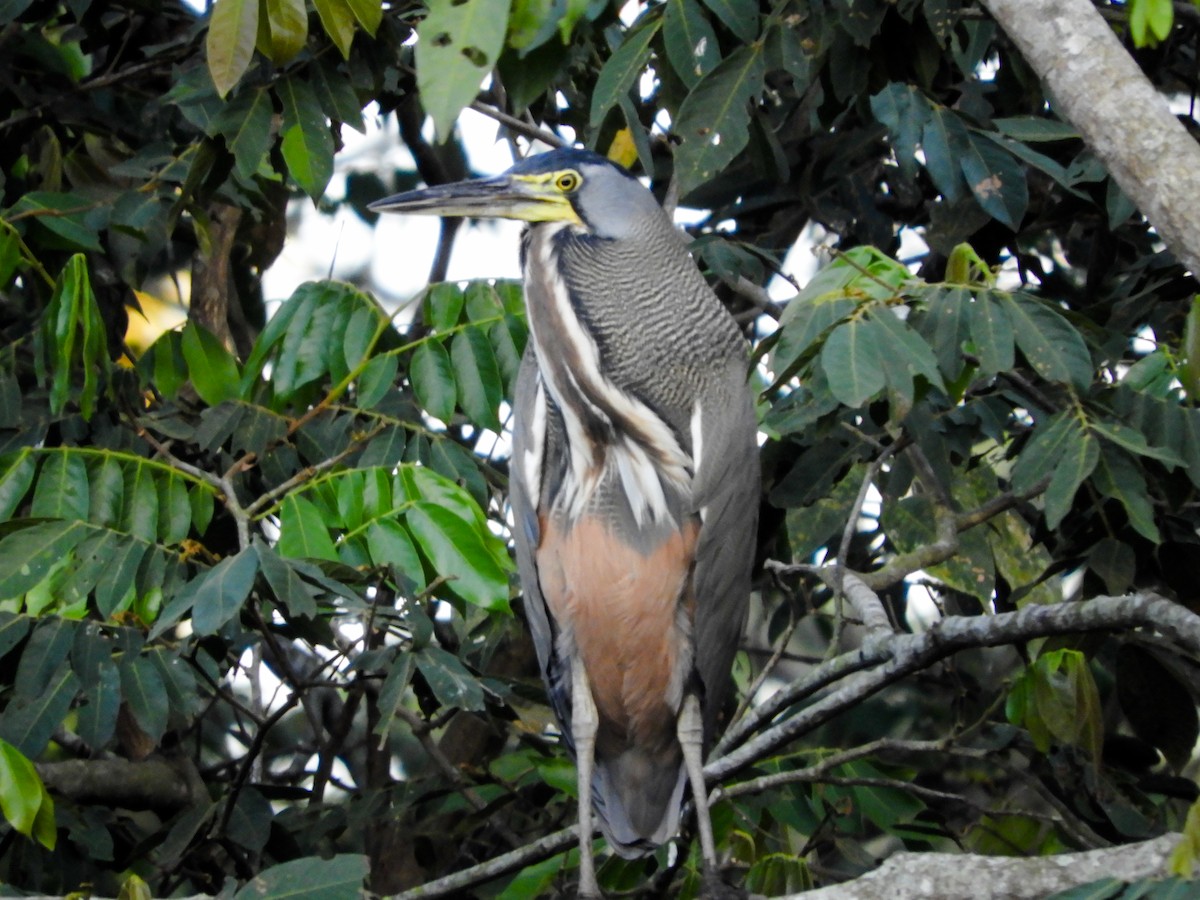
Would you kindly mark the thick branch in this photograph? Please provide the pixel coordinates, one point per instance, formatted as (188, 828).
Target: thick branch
(883, 662)
(154, 783)
(1098, 88)
(969, 877)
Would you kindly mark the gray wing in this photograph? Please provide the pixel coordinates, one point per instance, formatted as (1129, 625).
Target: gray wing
(726, 489)
(526, 484)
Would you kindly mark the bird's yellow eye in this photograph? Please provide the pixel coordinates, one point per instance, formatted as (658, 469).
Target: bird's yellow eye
(567, 181)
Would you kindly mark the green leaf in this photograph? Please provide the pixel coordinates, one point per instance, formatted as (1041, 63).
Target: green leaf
(1050, 343)
(47, 649)
(29, 722)
(23, 797)
(779, 874)
(139, 515)
(73, 334)
(337, 18)
(449, 679)
(804, 321)
(482, 302)
(1119, 477)
(202, 500)
(107, 489)
(739, 17)
(310, 878)
(907, 347)
(385, 449)
(307, 345)
(885, 807)
(336, 94)
(904, 110)
(62, 488)
(390, 544)
(944, 141)
(714, 120)
(117, 580)
(811, 528)
(350, 501)
(1134, 441)
(360, 336)
(622, 69)
(29, 554)
(432, 379)
(290, 590)
(508, 343)
(456, 551)
(991, 333)
(1035, 128)
(368, 12)
(391, 694)
(232, 31)
(377, 379)
(1150, 21)
(307, 142)
(1189, 369)
(62, 214)
(15, 482)
(690, 41)
(477, 377)
(97, 717)
(286, 27)
(996, 180)
(145, 695)
(211, 368)
(1066, 700)
(1043, 452)
(1078, 456)
(164, 365)
(250, 821)
(851, 360)
(223, 590)
(245, 123)
(444, 304)
(458, 44)
(175, 510)
(13, 629)
(302, 531)
(1113, 560)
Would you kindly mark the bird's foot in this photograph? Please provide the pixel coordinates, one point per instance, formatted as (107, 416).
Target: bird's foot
(713, 886)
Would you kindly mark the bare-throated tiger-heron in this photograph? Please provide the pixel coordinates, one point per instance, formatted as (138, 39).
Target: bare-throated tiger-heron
(634, 485)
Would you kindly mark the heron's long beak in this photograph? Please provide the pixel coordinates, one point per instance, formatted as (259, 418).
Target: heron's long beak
(528, 198)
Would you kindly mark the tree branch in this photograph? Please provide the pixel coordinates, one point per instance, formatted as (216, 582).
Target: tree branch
(969, 877)
(1099, 89)
(874, 666)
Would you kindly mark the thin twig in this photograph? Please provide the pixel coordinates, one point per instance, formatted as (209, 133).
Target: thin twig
(522, 128)
(531, 853)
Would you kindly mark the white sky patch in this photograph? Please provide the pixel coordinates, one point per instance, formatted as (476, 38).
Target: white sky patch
(630, 11)
(1145, 342)
(399, 251)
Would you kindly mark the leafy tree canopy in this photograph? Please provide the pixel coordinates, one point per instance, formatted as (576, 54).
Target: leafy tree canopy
(256, 598)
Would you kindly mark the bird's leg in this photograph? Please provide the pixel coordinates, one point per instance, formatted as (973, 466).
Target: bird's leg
(584, 722)
(690, 730)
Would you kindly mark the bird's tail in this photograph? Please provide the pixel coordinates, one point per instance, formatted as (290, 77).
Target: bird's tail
(638, 795)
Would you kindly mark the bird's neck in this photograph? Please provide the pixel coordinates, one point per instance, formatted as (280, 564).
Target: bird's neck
(610, 431)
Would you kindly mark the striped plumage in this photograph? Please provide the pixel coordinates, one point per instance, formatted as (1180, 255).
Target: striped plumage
(634, 483)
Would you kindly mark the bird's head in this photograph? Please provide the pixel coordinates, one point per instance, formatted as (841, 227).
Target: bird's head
(575, 186)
